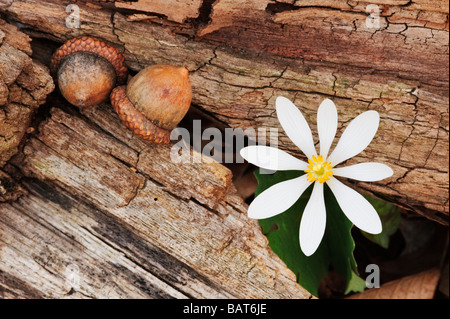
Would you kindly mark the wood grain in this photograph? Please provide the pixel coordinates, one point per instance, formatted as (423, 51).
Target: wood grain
(174, 10)
(400, 70)
(24, 85)
(106, 215)
(116, 212)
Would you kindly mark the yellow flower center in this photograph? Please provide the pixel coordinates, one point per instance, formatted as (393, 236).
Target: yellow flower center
(318, 170)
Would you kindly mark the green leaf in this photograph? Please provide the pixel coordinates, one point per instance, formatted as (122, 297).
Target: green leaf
(355, 284)
(335, 250)
(282, 232)
(390, 218)
(339, 237)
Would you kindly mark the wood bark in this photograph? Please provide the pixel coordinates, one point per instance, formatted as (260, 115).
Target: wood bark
(116, 214)
(243, 55)
(106, 215)
(24, 85)
(127, 222)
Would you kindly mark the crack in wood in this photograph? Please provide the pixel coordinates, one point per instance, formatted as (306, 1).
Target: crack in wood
(236, 74)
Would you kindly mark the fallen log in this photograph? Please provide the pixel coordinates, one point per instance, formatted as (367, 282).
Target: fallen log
(108, 215)
(126, 222)
(242, 58)
(24, 85)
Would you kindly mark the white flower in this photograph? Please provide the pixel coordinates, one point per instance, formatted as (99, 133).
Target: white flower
(321, 169)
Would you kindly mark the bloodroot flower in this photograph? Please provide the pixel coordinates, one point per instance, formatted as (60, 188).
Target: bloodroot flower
(321, 168)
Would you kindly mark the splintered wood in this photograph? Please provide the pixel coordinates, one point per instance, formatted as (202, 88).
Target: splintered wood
(306, 53)
(174, 10)
(115, 213)
(24, 85)
(107, 215)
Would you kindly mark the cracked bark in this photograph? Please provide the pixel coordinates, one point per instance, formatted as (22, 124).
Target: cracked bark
(24, 85)
(132, 223)
(241, 57)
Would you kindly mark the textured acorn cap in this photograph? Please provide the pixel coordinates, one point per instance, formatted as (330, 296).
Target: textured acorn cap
(85, 79)
(162, 93)
(95, 46)
(134, 120)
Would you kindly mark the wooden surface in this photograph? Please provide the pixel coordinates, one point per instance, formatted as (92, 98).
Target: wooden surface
(306, 53)
(106, 215)
(24, 85)
(93, 212)
(131, 223)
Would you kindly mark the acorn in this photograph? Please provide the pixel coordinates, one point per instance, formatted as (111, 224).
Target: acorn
(154, 101)
(87, 69)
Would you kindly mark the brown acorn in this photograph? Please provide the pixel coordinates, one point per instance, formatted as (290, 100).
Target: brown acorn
(87, 69)
(154, 101)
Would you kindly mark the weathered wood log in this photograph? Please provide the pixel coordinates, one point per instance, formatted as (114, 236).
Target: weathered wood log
(122, 220)
(109, 215)
(24, 85)
(243, 55)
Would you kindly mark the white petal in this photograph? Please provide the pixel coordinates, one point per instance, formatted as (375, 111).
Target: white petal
(278, 198)
(357, 209)
(312, 225)
(272, 158)
(327, 122)
(356, 137)
(295, 126)
(366, 172)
